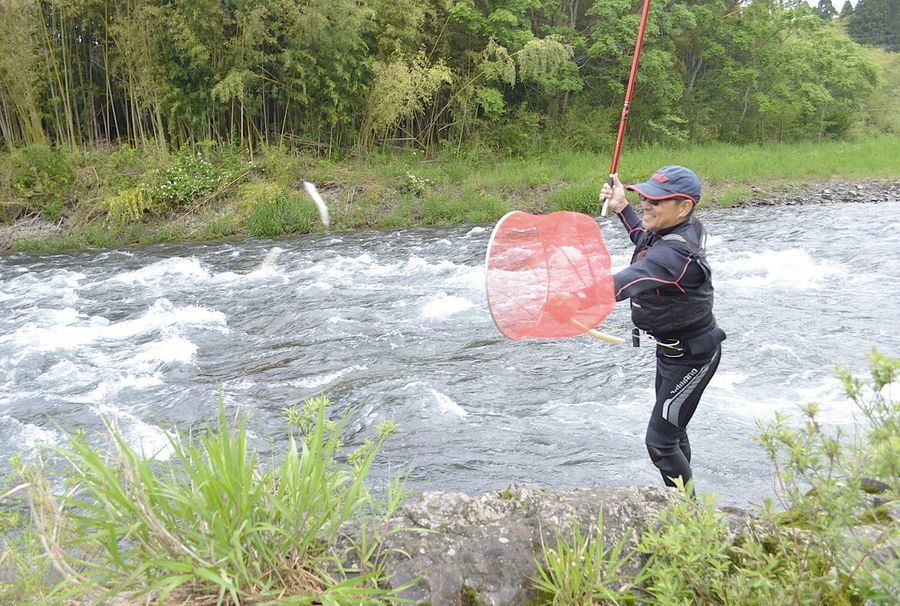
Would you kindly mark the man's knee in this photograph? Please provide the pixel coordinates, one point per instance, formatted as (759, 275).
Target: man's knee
(657, 455)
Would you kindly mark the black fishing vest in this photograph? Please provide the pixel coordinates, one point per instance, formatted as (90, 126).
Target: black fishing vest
(666, 312)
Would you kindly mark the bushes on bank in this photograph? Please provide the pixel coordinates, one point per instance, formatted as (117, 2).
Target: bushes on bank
(41, 178)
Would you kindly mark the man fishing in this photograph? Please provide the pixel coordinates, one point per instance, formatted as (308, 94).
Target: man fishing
(670, 288)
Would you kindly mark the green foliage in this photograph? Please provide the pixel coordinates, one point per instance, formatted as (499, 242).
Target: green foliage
(401, 90)
(42, 177)
(822, 475)
(24, 569)
(334, 75)
(497, 64)
(306, 418)
(585, 570)
(190, 177)
(548, 64)
(691, 538)
(517, 135)
(127, 206)
(478, 184)
(881, 112)
(825, 9)
(212, 522)
(415, 185)
(275, 211)
(876, 23)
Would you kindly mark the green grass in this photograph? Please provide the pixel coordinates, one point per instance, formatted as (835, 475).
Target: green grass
(211, 523)
(264, 197)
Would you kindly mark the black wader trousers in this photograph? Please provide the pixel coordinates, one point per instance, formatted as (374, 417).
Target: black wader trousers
(679, 384)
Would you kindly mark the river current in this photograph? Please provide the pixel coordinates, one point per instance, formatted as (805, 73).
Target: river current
(394, 325)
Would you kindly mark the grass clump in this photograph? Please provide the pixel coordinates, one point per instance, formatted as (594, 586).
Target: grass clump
(24, 568)
(583, 570)
(275, 210)
(211, 524)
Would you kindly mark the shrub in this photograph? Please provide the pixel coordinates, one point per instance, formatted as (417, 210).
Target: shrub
(41, 177)
(127, 206)
(414, 185)
(190, 177)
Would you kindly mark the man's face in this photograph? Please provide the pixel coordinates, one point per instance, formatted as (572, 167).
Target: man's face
(665, 213)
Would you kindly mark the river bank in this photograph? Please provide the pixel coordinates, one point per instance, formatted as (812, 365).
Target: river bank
(55, 199)
(35, 229)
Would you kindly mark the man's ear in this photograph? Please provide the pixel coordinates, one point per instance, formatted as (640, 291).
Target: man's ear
(685, 207)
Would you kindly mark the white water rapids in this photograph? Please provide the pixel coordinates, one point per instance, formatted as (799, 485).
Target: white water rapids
(395, 325)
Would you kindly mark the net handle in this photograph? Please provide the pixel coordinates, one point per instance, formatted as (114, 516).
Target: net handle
(612, 340)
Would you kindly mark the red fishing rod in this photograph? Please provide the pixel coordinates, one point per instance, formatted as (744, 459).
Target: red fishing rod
(627, 105)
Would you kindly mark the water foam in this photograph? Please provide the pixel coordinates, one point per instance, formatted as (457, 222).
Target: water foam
(445, 403)
(68, 329)
(172, 349)
(793, 268)
(154, 274)
(26, 436)
(147, 440)
(326, 379)
(110, 388)
(443, 306)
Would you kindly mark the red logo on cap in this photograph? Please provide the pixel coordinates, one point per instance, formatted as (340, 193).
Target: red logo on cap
(659, 177)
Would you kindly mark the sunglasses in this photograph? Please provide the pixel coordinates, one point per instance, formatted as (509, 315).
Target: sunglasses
(657, 202)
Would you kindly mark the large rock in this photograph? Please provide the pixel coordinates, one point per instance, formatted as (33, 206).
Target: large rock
(451, 548)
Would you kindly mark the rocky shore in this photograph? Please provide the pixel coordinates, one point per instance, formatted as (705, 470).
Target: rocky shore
(832, 192)
(452, 549)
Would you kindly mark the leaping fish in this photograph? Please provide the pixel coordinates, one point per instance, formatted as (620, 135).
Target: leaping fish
(320, 203)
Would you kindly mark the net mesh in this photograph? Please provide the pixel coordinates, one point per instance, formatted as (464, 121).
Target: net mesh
(548, 276)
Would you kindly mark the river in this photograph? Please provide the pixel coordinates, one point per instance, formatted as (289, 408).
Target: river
(394, 325)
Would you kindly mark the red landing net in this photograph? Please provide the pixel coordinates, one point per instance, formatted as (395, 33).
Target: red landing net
(548, 276)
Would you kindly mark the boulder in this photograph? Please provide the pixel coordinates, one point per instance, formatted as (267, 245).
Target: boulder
(451, 548)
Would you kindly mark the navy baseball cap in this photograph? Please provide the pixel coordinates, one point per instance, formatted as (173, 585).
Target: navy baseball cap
(670, 182)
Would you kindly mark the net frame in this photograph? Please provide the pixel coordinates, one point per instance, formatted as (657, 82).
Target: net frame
(564, 292)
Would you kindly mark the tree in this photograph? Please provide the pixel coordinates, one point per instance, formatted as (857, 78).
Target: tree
(20, 69)
(826, 10)
(876, 23)
(846, 10)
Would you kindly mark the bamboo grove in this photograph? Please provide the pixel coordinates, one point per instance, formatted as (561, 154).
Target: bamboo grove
(342, 74)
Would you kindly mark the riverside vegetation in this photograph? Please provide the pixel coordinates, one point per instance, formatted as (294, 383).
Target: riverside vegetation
(149, 121)
(55, 199)
(213, 524)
